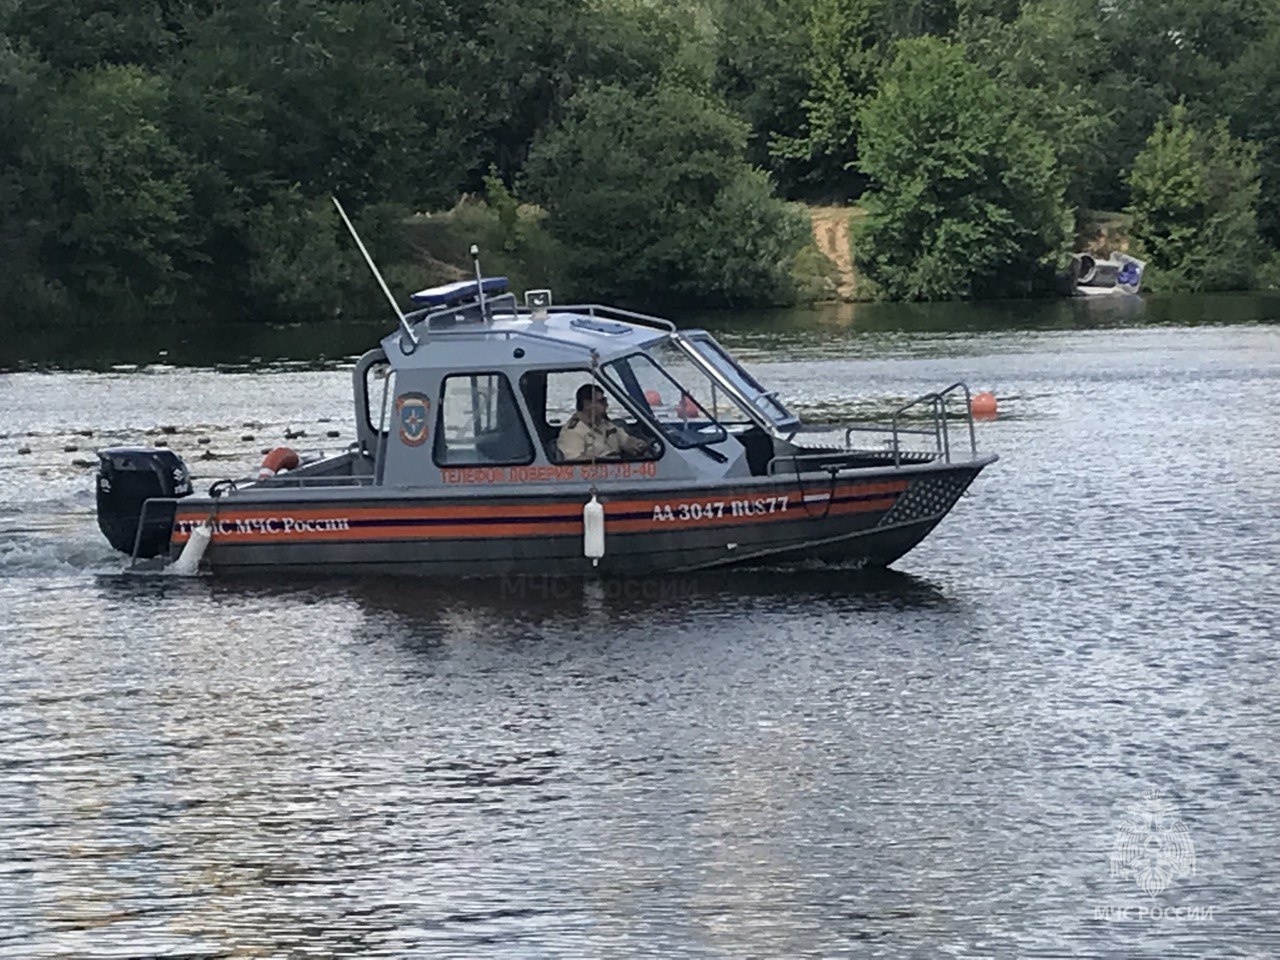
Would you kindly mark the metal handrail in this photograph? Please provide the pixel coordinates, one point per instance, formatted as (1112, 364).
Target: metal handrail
(880, 429)
(486, 333)
(929, 398)
(425, 315)
(288, 481)
(968, 413)
(832, 458)
(591, 309)
(795, 458)
(428, 314)
(939, 411)
(147, 506)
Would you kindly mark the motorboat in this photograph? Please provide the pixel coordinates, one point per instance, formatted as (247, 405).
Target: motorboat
(1118, 275)
(460, 466)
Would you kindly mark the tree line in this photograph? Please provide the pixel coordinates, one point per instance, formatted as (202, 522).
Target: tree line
(174, 158)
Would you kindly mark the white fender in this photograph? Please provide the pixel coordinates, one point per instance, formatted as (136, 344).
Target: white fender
(188, 562)
(593, 530)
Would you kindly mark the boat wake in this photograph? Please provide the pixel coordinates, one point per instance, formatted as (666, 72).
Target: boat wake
(59, 547)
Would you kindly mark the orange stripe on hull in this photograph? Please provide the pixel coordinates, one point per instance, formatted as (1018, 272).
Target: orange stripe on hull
(284, 524)
(227, 533)
(469, 512)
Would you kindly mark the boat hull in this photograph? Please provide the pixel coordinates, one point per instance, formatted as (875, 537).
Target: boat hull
(871, 519)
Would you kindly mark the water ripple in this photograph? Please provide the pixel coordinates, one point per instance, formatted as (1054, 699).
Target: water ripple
(776, 762)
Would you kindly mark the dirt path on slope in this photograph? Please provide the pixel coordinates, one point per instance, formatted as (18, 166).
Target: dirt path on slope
(831, 233)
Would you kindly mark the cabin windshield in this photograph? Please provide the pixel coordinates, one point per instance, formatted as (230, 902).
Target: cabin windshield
(687, 406)
(764, 401)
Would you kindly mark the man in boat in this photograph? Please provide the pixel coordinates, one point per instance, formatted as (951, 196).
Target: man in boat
(590, 435)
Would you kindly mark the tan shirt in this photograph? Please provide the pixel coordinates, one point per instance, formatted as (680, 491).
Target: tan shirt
(580, 440)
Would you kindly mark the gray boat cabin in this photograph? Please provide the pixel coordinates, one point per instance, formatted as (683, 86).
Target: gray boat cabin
(475, 390)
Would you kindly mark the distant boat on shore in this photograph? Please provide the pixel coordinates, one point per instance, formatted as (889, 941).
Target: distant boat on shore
(1120, 274)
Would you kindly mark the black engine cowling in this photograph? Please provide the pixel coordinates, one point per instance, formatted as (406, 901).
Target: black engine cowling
(127, 478)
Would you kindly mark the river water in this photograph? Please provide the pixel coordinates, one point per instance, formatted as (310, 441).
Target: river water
(937, 761)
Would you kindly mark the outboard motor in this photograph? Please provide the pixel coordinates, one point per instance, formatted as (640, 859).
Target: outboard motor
(127, 478)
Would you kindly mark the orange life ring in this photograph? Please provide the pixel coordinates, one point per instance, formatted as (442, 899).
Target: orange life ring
(281, 458)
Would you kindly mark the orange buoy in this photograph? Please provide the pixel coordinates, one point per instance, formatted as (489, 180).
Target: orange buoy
(280, 458)
(983, 405)
(653, 398)
(687, 408)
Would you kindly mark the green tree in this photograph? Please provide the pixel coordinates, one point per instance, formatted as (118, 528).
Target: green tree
(309, 92)
(22, 75)
(281, 106)
(513, 65)
(1194, 207)
(1051, 53)
(652, 198)
(112, 189)
(1183, 47)
(1164, 52)
(922, 18)
(505, 207)
(761, 56)
(302, 262)
(91, 33)
(967, 201)
(847, 42)
(1253, 101)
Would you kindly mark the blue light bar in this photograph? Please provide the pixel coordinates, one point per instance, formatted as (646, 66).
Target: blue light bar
(464, 291)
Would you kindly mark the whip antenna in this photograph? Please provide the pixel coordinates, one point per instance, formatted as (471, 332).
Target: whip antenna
(404, 323)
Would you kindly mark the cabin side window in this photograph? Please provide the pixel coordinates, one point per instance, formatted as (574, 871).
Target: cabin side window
(551, 397)
(479, 423)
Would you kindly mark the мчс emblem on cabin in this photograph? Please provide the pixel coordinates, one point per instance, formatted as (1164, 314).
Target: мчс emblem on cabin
(411, 414)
